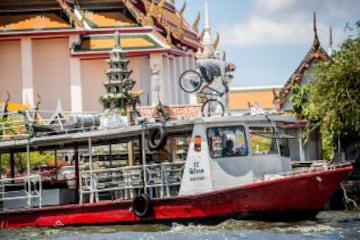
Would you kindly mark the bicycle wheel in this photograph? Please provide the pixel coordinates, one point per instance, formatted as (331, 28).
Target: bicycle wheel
(212, 107)
(190, 81)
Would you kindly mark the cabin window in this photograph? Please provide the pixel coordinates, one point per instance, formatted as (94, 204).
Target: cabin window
(227, 141)
(262, 141)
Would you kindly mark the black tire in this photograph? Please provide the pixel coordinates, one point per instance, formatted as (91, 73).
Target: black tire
(190, 81)
(142, 205)
(212, 107)
(158, 138)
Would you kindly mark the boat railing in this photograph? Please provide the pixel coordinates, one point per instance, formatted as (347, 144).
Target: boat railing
(22, 124)
(12, 128)
(313, 167)
(28, 188)
(162, 180)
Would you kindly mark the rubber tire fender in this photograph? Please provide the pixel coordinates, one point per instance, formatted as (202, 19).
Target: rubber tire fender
(163, 136)
(142, 205)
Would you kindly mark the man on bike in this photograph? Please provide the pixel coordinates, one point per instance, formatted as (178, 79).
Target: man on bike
(211, 68)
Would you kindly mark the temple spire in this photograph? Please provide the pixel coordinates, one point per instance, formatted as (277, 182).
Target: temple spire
(316, 42)
(210, 49)
(117, 40)
(207, 40)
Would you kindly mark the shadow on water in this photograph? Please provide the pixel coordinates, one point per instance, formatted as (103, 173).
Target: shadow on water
(328, 225)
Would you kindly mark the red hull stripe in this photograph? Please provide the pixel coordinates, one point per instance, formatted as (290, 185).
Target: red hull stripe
(307, 192)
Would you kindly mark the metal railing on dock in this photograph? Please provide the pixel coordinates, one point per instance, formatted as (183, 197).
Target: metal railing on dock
(160, 180)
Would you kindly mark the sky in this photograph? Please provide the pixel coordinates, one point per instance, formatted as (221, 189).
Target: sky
(267, 39)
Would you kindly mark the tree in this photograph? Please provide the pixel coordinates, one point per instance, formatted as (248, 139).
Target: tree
(36, 160)
(334, 94)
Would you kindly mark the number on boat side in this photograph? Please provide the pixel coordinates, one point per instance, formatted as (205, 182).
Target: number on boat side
(196, 173)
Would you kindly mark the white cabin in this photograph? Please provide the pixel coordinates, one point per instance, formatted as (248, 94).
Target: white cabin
(259, 151)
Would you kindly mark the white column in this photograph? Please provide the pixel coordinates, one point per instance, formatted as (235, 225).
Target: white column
(157, 79)
(301, 148)
(191, 65)
(75, 79)
(165, 91)
(184, 65)
(179, 91)
(27, 72)
(172, 81)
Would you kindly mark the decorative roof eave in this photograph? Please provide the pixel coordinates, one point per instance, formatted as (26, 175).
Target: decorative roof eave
(311, 56)
(27, 33)
(96, 42)
(99, 46)
(138, 15)
(61, 32)
(194, 45)
(177, 30)
(71, 15)
(316, 52)
(129, 53)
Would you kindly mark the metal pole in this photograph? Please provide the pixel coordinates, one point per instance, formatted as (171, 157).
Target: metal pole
(12, 164)
(76, 159)
(56, 165)
(143, 153)
(91, 171)
(29, 193)
(110, 155)
(0, 166)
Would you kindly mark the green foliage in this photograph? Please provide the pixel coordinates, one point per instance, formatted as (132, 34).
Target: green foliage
(36, 160)
(12, 127)
(299, 99)
(334, 94)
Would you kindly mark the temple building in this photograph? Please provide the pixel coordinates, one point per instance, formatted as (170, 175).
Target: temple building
(245, 99)
(302, 74)
(312, 148)
(57, 49)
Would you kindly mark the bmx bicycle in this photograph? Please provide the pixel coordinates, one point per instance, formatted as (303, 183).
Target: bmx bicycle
(190, 81)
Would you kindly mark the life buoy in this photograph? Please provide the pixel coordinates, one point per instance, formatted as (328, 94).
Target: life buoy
(142, 205)
(158, 138)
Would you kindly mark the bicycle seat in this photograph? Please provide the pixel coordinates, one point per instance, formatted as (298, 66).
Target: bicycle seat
(136, 93)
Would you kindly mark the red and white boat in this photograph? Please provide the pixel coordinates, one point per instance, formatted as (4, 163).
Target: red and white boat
(193, 177)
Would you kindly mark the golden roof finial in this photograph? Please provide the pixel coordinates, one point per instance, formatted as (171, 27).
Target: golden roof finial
(180, 28)
(161, 4)
(182, 10)
(316, 42)
(195, 25)
(202, 34)
(148, 18)
(224, 57)
(217, 40)
(168, 34)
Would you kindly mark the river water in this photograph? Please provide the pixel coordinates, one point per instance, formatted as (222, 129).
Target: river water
(328, 225)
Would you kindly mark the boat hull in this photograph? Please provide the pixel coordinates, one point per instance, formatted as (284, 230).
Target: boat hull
(295, 197)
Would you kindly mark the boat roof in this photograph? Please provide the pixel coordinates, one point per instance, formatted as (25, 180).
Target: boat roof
(100, 136)
(248, 118)
(125, 133)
